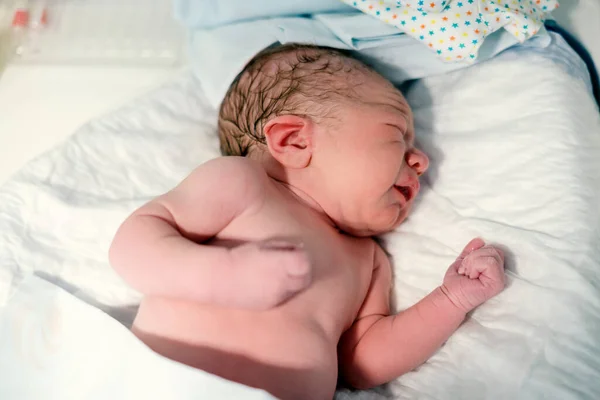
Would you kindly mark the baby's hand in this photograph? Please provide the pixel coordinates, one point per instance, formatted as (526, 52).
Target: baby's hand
(268, 273)
(476, 276)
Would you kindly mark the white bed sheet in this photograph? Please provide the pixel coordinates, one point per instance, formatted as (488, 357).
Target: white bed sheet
(515, 150)
(41, 105)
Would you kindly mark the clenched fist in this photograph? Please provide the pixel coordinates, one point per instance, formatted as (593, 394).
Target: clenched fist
(267, 273)
(476, 276)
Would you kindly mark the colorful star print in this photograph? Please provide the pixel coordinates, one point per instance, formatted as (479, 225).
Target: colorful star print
(475, 19)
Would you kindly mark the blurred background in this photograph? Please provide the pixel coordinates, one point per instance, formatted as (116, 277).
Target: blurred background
(64, 62)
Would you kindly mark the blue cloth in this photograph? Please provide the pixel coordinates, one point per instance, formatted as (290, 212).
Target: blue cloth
(201, 14)
(219, 54)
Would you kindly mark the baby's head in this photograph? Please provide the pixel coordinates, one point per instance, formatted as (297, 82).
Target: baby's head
(331, 127)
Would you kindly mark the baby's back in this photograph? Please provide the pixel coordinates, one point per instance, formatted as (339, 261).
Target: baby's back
(289, 355)
(289, 350)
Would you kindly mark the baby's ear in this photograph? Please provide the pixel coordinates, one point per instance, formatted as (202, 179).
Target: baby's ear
(289, 139)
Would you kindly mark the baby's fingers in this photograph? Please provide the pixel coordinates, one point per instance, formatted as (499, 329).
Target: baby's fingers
(458, 267)
(473, 245)
(500, 253)
(491, 270)
(481, 260)
(281, 244)
(481, 265)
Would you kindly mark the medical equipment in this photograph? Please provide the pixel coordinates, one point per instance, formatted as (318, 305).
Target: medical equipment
(123, 32)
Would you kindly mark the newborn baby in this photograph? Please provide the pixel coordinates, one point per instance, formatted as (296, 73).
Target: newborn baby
(260, 267)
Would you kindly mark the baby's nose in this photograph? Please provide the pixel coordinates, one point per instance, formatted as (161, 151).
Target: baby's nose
(417, 160)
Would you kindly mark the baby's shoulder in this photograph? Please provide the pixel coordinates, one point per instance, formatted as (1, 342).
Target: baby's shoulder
(227, 178)
(231, 172)
(233, 165)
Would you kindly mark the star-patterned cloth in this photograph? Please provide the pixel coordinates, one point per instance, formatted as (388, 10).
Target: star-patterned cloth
(455, 29)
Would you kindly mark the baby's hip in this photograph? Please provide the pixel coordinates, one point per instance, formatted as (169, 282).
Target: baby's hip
(290, 359)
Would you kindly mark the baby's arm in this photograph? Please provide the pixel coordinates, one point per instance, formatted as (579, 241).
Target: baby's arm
(158, 249)
(379, 347)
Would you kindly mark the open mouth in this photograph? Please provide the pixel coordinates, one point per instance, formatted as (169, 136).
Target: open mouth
(406, 191)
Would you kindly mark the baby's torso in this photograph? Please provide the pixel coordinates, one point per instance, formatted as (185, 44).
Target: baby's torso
(289, 350)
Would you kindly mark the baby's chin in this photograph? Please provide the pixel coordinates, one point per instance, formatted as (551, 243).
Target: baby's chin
(402, 215)
(383, 224)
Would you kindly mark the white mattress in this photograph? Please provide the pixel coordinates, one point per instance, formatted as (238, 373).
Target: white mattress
(515, 151)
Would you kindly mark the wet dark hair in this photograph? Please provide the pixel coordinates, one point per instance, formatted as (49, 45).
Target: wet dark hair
(286, 79)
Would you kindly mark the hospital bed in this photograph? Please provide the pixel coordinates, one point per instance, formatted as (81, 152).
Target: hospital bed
(514, 144)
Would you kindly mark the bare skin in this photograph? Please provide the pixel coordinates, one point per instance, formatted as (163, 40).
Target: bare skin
(272, 279)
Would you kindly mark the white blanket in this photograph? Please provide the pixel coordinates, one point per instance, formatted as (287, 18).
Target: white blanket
(55, 347)
(515, 150)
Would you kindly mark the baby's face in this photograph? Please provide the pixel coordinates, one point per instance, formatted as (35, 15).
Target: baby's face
(371, 166)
